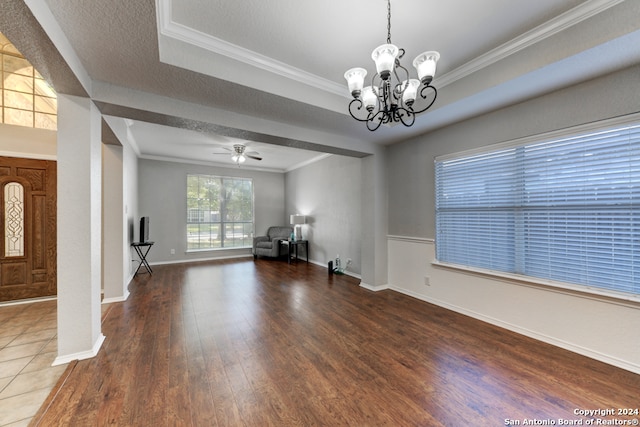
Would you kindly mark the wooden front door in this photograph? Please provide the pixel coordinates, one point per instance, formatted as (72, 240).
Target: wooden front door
(28, 221)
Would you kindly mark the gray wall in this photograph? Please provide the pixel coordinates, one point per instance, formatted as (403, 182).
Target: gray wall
(561, 317)
(130, 201)
(162, 197)
(329, 193)
(411, 172)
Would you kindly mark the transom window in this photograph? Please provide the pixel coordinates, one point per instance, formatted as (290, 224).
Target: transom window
(26, 98)
(566, 210)
(219, 212)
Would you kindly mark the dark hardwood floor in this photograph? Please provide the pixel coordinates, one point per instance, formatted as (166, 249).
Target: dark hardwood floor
(264, 343)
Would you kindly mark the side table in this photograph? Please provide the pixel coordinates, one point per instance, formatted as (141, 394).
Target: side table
(142, 249)
(293, 244)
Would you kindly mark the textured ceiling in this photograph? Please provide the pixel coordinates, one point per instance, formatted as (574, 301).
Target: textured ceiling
(271, 71)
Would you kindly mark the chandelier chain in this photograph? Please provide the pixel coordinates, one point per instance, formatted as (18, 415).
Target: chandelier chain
(389, 21)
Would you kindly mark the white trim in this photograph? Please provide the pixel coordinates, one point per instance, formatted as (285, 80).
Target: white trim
(410, 239)
(183, 261)
(374, 288)
(554, 26)
(214, 164)
(28, 301)
(116, 299)
(168, 28)
(523, 331)
(35, 156)
(325, 265)
(61, 360)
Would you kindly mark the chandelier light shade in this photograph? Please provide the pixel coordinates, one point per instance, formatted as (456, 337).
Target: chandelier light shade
(392, 97)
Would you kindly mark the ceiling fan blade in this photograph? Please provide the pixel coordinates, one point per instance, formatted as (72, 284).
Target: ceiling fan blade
(251, 156)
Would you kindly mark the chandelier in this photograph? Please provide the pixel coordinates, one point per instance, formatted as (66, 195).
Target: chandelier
(392, 97)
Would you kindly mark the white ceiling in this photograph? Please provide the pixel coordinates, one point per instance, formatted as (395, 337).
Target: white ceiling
(270, 73)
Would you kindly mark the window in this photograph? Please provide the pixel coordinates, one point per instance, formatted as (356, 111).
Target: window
(565, 210)
(219, 212)
(13, 220)
(25, 97)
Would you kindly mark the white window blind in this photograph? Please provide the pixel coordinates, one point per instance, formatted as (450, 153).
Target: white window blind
(565, 210)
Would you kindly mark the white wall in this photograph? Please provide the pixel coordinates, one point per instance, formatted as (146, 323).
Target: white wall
(328, 192)
(20, 141)
(162, 196)
(597, 327)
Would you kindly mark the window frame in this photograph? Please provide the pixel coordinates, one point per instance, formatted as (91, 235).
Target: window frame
(601, 126)
(220, 224)
(34, 105)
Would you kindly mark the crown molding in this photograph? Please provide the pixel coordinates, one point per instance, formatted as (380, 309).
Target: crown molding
(168, 28)
(554, 26)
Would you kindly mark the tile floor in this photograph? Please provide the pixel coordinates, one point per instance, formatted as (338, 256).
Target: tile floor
(28, 347)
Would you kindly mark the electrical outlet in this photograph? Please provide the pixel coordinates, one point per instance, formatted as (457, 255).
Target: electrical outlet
(173, 251)
(427, 281)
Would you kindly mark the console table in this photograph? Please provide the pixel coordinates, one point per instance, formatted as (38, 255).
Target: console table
(142, 249)
(293, 245)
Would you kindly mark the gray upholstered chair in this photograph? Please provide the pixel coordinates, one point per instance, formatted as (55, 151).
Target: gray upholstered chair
(269, 245)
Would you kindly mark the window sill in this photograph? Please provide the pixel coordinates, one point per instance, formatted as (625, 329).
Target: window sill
(549, 285)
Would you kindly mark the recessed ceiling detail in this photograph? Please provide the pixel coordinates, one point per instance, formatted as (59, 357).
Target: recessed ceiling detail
(184, 46)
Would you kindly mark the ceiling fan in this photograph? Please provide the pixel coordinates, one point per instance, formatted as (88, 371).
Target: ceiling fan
(239, 153)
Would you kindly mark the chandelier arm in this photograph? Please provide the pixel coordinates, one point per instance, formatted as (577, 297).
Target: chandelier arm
(406, 112)
(423, 96)
(375, 120)
(357, 103)
(398, 89)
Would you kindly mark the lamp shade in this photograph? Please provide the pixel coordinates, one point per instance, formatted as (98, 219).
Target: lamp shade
(297, 219)
(410, 91)
(355, 80)
(370, 97)
(385, 58)
(425, 64)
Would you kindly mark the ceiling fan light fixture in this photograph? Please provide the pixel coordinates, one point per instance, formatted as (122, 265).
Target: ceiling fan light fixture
(392, 97)
(238, 158)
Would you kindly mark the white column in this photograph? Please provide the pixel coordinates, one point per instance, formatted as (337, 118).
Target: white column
(374, 222)
(79, 228)
(114, 281)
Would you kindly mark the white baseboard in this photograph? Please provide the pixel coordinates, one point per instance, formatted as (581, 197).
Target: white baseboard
(373, 287)
(346, 273)
(61, 360)
(523, 331)
(116, 299)
(27, 301)
(185, 261)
